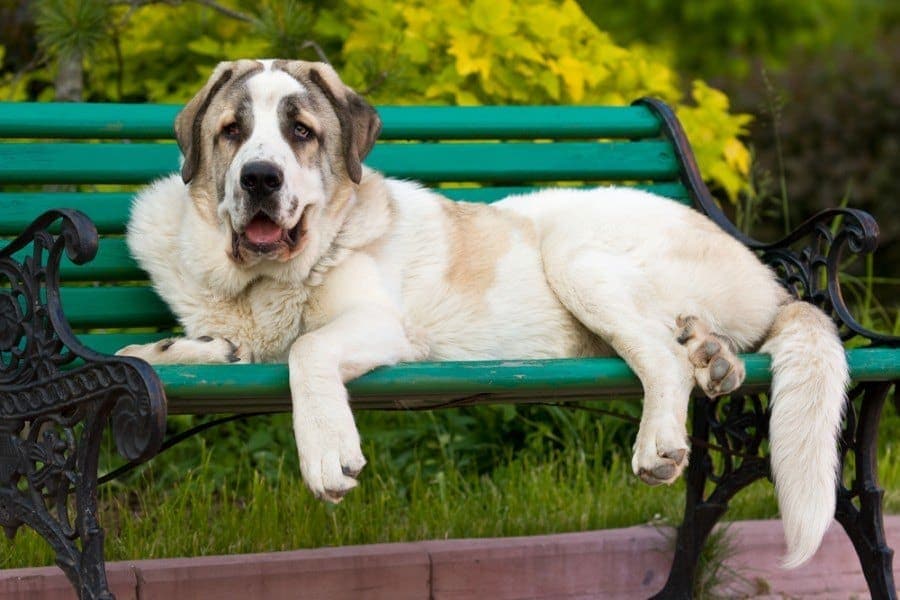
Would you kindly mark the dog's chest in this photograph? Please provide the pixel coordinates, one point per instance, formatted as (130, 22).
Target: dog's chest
(272, 318)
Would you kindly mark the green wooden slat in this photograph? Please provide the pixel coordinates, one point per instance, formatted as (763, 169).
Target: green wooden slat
(109, 343)
(675, 191)
(108, 210)
(87, 120)
(526, 122)
(155, 121)
(112, 263)
(109, 307)
(248, 388)
(515, 162)
(512, 162)
(86, 163)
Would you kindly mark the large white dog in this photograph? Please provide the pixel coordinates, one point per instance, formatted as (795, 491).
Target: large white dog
(276, 244)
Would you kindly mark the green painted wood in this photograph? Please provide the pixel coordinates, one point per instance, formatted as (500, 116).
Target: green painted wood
(511, 122)
(500, 162)
(108, 210)
(86, 163)
(249, 388)
(112, 307)
(110, 342)
(112, 263)
(675, 191)
(155, 121)
(87, 120)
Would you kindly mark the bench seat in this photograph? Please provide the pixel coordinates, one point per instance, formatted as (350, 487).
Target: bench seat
(206, 389)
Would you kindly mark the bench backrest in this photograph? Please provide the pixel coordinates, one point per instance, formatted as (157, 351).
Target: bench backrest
(94, 156)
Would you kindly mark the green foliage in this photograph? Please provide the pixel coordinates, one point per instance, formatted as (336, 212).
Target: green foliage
(73, 26)
(541, 52)
(711, 38)
(828, 134)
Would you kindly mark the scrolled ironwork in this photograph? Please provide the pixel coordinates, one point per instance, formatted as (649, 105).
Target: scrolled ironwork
(56, 398)
(808, 260)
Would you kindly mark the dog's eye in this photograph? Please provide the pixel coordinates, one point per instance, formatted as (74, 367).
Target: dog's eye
(302, 132)
(232, 131)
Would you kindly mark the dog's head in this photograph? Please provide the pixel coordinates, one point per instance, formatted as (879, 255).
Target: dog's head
(268, 146)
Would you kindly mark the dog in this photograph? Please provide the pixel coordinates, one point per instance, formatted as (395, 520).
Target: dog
(276, 244)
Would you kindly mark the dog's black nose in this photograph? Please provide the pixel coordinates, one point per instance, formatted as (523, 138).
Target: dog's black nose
(261, 178)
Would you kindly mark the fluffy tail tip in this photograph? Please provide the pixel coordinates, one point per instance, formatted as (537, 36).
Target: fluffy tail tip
(804, 531)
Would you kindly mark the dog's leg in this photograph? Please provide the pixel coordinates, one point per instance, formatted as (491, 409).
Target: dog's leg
(354, 326)
(201, 350)
(320, 363)
(717, 368)
(610, 295)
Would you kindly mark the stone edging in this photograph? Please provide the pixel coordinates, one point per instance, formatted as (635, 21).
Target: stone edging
(615, 563)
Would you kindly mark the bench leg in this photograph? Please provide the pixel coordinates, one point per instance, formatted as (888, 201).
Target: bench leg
(48, 463)
(865, 524)
(50, 436)
(737, 425)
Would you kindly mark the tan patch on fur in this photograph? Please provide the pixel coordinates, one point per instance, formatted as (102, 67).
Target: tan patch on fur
(525, 227)
(215, 112)
(788, 314)
(477, 237)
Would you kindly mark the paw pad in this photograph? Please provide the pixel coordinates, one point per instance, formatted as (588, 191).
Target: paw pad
(717, 368)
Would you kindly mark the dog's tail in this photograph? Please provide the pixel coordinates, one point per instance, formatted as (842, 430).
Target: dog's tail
(810, 375)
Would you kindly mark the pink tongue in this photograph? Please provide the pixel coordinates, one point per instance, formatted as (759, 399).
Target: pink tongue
(262, 230)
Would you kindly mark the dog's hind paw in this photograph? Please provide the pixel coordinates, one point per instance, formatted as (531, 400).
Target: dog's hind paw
(717, 368)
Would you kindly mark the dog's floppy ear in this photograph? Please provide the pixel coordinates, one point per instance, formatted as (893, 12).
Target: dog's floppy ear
(360, 123)
(188, 121)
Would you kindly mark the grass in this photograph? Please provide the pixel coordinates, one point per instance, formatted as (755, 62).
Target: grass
(538, 489)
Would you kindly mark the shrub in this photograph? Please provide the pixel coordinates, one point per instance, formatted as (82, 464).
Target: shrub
(541, 52)
(837, 119)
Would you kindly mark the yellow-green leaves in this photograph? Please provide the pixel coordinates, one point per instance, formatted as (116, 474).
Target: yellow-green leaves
(531, 52)
(714, 132)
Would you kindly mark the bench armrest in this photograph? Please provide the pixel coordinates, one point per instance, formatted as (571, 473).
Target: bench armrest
(44, 369)
(808, 259)
(56, 398)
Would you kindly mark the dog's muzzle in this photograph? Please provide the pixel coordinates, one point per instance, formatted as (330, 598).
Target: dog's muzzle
(264, 234)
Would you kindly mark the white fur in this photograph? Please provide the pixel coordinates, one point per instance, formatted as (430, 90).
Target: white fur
(571, 273)
(810, 375)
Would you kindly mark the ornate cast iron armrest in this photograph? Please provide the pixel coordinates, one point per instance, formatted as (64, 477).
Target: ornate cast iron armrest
(811, 271)
(49, 385)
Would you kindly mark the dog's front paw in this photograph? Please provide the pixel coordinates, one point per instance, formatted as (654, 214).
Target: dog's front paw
(202, 350)
(660, 452)
(329, 449)
(717, 368)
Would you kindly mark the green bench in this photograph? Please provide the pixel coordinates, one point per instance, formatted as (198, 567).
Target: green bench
(70, 296)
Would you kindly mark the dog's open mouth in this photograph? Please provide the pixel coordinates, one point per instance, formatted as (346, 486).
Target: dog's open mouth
(264, 236)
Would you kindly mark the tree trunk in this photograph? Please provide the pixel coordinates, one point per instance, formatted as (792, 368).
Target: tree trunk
(69, 78)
